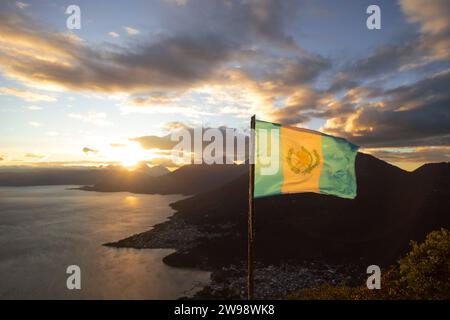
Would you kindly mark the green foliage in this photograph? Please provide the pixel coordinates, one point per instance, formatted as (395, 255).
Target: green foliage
(425, 270)
(424, 273)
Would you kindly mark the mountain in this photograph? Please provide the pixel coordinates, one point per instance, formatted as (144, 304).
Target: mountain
(155, 171)
(189, 179)
(392, 207)
(52, 176)
(73, 175)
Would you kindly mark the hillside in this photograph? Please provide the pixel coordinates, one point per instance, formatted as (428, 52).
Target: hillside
(19, 177)
(392, 207)
(190, 179)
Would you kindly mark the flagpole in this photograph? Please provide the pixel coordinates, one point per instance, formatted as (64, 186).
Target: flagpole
(251, 210)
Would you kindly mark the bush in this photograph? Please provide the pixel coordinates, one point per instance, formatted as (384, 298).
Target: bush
(424, 273)
(425, 270)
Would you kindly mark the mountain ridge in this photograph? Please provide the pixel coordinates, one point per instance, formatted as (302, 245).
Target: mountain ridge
(392, 207)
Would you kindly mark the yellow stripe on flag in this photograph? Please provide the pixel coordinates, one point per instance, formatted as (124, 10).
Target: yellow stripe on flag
(302, 160)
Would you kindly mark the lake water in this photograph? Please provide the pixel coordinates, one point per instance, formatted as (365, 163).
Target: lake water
(45, 229)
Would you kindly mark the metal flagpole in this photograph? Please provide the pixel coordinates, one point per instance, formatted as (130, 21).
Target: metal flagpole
(251, 209)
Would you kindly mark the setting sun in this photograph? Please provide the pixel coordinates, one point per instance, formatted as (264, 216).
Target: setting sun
(130, 160)
(130, 155)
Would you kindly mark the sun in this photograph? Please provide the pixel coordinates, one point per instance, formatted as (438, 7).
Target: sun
(130, 156)
(129, 161)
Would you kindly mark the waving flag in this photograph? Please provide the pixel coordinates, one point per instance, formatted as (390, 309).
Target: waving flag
(293, 160)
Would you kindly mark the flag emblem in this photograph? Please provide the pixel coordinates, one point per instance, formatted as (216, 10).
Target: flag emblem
(302, 161)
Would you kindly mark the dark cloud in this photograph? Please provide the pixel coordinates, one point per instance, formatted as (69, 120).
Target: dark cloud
(412, 115)
(429, 90)
(171, 62)
(246, 43)
(298, 107)
(430, 46)
(246, 21)
(177, 61)
(155, 142)
(165, 143)
(342, 81)
(387, 59)
(432, 17)
(286, 73)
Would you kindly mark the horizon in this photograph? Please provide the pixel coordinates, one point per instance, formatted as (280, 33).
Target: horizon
(112, 91)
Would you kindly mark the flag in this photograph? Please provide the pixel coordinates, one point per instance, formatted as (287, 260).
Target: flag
(294, 160)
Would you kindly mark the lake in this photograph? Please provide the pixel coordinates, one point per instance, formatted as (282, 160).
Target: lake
(47, 228)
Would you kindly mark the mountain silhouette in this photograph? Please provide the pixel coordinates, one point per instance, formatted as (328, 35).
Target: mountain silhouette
(392, 207)
(51, 176)
(74, 175)
(188, 180)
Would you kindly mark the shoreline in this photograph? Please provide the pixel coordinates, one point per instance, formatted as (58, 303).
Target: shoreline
(228, 276)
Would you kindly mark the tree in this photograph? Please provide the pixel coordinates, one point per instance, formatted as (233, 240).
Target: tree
(425, 270)
(424, 273)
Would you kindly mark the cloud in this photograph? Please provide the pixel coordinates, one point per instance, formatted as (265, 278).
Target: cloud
(430, 46)
(157, 98)
(174, 125)
(293, 112)
(410, 115)
(434, 26)
(174, 65)
(164, 144)
(35, 155)
(21, 5)
(92, 117)
(155, 142)
(387, 59)
(176, 61)
(34, 108)
(131, 31)
(432, 16)
(88, 151)
(113, 34)
(26, 95)
(260, 21)
(118, 145)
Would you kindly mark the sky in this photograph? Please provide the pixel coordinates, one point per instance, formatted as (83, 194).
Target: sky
(112, 91)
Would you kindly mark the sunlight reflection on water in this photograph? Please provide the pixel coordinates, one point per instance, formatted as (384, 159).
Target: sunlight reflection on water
(45, 229)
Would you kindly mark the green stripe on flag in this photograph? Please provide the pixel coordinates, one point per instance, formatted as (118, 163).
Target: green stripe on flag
(266, 185)
(338, 172)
